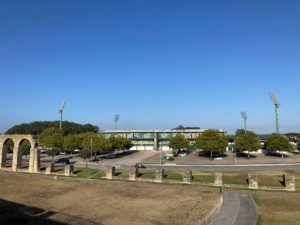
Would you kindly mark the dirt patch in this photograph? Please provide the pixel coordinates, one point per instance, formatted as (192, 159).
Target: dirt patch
(36, 200)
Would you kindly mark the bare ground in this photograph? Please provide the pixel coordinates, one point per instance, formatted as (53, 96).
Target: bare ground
(37, 200)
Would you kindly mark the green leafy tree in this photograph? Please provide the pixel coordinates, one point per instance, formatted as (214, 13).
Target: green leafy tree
(85, 154)
(212, 141)
(298, 146)
(37, 127)
(247, 142)
(52, 152)
(240, 131)
(280, 143)
(120, 143)
(73, 141)
(9, 145)
(97, 142)
(178, 142)
(25, 147)
(51, 138)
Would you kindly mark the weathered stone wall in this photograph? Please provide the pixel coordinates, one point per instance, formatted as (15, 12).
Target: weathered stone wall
(133, 173)
(187, 176)
(218, 179)
(69, 170)
(50, 168)
(110, 172)
(159, 175)
(252, 182)
(289, 182)
(17, 155)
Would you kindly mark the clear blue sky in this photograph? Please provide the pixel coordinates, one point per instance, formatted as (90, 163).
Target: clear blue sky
(156, 63)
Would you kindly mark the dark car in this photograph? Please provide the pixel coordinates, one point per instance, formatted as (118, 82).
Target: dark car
(140, 165)
(63, 161)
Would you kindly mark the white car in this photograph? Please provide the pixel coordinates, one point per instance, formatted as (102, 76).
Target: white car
(183, 154)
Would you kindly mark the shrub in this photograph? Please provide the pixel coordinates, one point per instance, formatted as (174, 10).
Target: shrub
(171, 158)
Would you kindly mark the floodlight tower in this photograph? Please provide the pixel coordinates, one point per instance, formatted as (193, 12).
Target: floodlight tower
(276, 104)
(245, 117)
(61, 112)
(116, 119)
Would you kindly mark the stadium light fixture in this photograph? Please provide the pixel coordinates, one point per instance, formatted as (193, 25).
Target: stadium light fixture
(276, 104)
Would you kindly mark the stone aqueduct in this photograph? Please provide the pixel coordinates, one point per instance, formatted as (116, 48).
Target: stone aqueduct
(34, 160)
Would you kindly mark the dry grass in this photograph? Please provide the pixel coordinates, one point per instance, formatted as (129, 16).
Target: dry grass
(105, 202)
(278, 208)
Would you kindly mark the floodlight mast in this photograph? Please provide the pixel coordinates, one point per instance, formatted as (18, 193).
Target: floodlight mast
(116, 119)
(61, 113)
(245, 117)
(276, 104)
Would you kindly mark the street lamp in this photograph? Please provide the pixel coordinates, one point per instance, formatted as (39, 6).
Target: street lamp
(276, 104)
(116, 119)
(245, 117)
(91, 149)
(61, 112)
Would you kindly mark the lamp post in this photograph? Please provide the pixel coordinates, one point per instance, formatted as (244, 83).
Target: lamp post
(116, 119)
(61, 113)
(245, 117)
(91, 149)
(276, 104)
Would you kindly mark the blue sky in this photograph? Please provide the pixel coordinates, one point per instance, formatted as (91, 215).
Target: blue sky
(156, 63)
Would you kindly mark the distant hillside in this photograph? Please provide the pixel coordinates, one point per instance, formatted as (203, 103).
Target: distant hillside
(37, 127)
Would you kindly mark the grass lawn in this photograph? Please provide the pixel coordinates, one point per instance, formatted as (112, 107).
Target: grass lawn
(235, 178)
(203, 177)
(89, 173)
(173, 175)
(147, 174)
(280, 208)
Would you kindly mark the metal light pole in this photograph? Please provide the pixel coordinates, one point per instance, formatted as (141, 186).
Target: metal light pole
(245, 117)
(61, 113)
(276, 104)
(91, 149)
(116, 119)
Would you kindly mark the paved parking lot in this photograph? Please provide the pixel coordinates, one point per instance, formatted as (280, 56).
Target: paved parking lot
(229, 159)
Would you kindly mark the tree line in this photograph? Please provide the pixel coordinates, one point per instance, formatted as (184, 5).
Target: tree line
(88, 142)
(37, 127)
(215, 141)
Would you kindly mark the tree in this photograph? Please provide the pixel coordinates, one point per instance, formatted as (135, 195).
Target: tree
(25, 147)
(37, 127)
(73, 141)
(52, 152)
(178, 142)
(97, 142)
(240, 131)
(51, 138)
(247, 142)
(298, 146)
(120, 143)
(279, 143)
(212, 141)
(181, 127)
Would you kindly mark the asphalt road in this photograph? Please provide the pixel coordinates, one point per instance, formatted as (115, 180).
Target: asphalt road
(273, 167)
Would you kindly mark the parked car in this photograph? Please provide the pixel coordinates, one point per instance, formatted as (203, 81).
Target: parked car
(182, 154)
(43, 150)
(76, 151)
(110, 156)
(140, 165)
(64, 151)
(63, 161)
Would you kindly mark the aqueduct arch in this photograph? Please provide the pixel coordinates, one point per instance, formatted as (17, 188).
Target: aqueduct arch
(34, 160)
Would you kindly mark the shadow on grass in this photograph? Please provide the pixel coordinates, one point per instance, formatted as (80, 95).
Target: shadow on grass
(14, 213)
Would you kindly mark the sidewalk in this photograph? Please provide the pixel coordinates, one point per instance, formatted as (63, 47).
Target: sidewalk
(238, 209)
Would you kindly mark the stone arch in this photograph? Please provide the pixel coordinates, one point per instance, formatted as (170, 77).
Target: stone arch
(34, 160)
